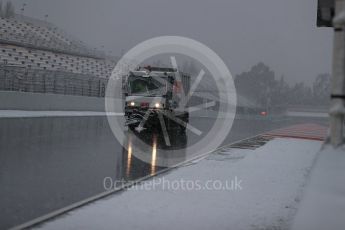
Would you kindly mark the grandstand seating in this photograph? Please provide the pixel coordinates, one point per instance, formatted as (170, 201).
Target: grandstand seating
(42, 46)
(47, 60)
(38, 33)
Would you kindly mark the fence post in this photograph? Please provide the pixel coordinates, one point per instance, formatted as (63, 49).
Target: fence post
(99, 88)
(64, 86)
(54, 83)
(82, 87)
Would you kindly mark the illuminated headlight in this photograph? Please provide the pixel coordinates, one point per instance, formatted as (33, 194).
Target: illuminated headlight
(157, 105)
(132, 103)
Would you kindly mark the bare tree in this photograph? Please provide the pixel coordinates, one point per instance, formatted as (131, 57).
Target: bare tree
(257, 84)
(321, 88)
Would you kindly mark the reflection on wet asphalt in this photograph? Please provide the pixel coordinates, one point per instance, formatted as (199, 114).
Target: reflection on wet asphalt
(150, 148)
(49, 163)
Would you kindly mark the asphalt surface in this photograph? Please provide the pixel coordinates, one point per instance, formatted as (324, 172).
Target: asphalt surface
(49, 163)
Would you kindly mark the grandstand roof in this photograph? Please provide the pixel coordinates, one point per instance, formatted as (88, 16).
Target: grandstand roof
(35, 44)
(34, 33)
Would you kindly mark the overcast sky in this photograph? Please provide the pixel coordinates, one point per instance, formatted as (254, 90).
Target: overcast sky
(280, 33)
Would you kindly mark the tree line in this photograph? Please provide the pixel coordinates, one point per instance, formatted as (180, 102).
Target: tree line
(260, 85)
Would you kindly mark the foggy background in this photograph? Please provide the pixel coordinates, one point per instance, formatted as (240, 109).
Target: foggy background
(56, 147)
(280, 33)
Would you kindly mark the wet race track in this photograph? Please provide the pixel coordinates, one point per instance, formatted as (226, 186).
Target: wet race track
(49, 163)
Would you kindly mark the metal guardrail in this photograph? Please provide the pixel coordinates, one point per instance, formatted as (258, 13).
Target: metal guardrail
(16, 78)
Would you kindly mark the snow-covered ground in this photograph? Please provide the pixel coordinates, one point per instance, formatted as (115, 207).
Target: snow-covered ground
(256, 189)
(307, 114)
(25, 113)
(323, 205)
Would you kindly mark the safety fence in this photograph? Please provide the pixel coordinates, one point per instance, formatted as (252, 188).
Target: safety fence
(15, 78)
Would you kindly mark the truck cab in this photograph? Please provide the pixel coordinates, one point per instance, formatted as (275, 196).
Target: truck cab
(153, 90)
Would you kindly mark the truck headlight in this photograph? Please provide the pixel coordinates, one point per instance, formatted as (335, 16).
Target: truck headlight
(157, 105)
(132, 103)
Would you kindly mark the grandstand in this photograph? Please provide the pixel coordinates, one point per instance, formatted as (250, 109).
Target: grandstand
(36, 56)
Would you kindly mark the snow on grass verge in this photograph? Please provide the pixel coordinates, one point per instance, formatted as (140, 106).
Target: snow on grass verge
(25, 113)
(269, 179)
(323, 203)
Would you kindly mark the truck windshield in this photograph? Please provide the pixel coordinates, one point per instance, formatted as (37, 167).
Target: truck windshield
(146, 85)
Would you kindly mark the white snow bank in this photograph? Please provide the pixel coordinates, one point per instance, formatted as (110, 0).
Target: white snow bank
(323, 205)
(308, 114)
(270, 177)
(25, 113)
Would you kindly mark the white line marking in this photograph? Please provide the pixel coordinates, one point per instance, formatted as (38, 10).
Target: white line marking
(25, 113)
